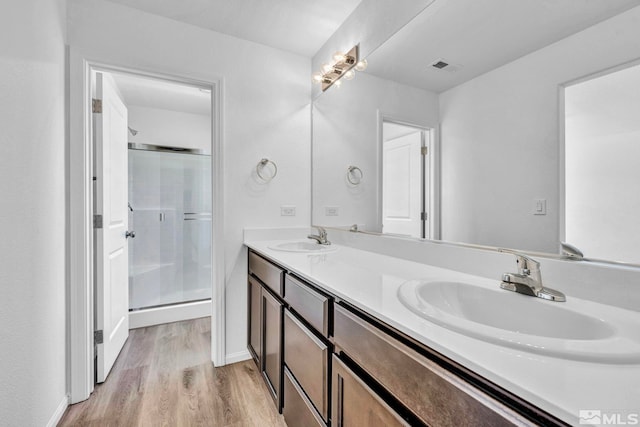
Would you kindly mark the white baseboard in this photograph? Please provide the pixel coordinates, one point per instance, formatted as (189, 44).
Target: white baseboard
(168, 314)
(57, 415)
(239, 356)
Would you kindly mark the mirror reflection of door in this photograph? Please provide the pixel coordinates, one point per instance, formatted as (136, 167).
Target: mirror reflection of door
(405, 180)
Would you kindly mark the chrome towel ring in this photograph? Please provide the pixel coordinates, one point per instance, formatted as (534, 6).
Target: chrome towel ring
(260, 169)
(354, 175)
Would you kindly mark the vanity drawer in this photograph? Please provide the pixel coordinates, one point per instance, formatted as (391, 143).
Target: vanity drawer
(268, 273)
(307, 357)
(356, 405)
(310, 304)
(297, 410)
(433, 394)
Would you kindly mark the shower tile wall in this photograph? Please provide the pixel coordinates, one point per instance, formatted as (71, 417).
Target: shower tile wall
(170, 257)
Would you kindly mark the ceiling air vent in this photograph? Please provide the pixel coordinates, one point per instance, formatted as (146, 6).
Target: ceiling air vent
(441, 64)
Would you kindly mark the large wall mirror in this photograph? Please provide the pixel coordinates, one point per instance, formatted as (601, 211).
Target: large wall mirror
(457, 129)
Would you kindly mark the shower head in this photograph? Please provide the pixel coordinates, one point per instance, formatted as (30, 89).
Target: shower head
(132, 131)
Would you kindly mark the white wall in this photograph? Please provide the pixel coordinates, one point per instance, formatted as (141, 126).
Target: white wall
(345, 133)
(266, 114)
(602, 165)
(157, 126)
(502, 130)
(33, 205)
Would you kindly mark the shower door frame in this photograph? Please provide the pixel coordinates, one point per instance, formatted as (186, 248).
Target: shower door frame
(80, 360)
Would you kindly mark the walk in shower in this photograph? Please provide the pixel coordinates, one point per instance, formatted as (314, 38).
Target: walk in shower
(170, 211)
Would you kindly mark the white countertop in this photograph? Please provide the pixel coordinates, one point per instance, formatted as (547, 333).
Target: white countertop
(370, 282)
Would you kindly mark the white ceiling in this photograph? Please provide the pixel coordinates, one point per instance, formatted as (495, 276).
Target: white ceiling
(298, 26)
(479, 36)
(155, 93)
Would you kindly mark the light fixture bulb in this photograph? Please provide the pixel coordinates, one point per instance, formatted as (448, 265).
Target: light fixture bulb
(337, 83)
(316, 77)
(349, 75)
(361, 65)
(338, 56)
(326, 68)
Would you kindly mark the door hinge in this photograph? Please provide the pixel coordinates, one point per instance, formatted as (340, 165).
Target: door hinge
(98, 336)
(424, 216)
(96, 105)
(424, 151)
(97, 221)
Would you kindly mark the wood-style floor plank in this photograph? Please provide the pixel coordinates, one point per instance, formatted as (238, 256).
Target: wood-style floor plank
(164, 377)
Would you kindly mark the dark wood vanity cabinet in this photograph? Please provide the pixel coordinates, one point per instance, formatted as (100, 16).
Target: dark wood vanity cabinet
(287, 336)
(265, 310)
(329, 364)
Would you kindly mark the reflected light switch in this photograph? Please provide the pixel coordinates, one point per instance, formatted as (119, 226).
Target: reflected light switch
(540, 207)
(331, 211)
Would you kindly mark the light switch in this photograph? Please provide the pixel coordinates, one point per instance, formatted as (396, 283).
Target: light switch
(331, 210)
(540, 207)
(287, 211)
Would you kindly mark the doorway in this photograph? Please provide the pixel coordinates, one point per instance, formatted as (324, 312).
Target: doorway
(152, 207)
(406, 179)
(82, 310)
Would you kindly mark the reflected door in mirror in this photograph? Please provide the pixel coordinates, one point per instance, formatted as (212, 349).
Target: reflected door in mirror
(404, 193)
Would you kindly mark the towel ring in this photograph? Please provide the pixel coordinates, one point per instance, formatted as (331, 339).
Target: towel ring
(354, 175)
(260, 168)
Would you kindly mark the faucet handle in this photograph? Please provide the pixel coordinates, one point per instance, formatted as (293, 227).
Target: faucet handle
(526, 265)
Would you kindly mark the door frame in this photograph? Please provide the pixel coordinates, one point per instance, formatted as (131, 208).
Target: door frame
(80, 360)
(433, 202)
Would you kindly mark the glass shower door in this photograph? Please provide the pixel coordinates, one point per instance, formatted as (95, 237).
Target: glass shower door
(170, 258)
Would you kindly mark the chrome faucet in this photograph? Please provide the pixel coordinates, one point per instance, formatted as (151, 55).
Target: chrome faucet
(321, 237)
(528, 279)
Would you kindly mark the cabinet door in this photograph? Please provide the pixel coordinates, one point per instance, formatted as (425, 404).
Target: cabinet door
(272, 344)
(355, 404)
(254, 298)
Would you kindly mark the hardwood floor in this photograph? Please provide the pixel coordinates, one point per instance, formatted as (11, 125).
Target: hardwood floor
(164, 377)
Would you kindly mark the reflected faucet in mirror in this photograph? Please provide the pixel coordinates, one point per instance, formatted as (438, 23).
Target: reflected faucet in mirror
(321, 237)
(570, 251)
(528, 280)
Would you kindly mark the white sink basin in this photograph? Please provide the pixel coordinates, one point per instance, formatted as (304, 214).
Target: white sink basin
(308, 247)
(562, 329)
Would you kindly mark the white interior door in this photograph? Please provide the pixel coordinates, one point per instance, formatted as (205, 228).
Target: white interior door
(402, 185)
(111, 252)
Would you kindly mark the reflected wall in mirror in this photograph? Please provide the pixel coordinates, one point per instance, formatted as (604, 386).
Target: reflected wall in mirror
(602, 165)
(347, 128)
(496, 111)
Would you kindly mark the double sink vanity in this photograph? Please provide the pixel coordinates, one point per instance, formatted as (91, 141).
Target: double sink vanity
(348, 337)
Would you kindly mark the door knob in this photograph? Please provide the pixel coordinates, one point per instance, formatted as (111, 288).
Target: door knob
(131, 234)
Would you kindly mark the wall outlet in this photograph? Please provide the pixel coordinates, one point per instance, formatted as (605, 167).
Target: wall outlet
(287, 211)
(540, 207)
(331, 210)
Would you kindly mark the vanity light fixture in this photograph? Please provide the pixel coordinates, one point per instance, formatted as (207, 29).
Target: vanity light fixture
(343, 66)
